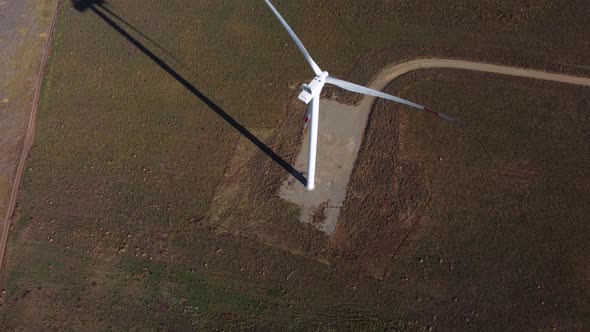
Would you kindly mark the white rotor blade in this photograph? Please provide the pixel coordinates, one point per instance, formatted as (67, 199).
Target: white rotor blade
(298, 42)
(367, 91)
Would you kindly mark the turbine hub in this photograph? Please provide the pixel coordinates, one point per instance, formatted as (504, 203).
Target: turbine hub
(314, 88)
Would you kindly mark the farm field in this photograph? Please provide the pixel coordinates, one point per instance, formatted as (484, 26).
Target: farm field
(23, 32)
(166, 128)
(483, 222)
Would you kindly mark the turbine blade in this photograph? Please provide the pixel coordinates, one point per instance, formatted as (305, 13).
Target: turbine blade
(371, 92)
(314, 66)
(368, 91)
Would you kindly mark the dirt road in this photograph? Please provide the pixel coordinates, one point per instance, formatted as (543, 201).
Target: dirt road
(342, 128)
(395, 71)
(25, 37)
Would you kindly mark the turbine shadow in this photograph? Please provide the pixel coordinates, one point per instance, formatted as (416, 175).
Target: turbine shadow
(130, 26)
(82, 5)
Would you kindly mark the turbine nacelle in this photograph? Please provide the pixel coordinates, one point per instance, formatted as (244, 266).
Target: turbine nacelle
(313, 89)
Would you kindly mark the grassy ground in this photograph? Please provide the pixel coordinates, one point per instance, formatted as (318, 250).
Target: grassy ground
(23, 28)
(140, 119)
(484, 222)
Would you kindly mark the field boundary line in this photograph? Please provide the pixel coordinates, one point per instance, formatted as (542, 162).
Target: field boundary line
(29, 136)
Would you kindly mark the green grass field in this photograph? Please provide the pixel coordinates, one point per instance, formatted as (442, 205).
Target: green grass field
(143, 107)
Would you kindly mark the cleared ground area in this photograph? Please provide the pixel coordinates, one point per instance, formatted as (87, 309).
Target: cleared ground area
(165, 131)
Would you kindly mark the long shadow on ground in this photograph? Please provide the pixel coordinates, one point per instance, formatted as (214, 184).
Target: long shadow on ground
(93, 5)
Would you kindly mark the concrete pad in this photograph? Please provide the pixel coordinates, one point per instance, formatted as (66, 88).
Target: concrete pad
(341, 129)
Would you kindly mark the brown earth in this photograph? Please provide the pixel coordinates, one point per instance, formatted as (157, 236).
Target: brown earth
(483, 223)
(115, 227)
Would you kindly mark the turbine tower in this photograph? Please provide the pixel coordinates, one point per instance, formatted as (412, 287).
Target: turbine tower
(310, 95)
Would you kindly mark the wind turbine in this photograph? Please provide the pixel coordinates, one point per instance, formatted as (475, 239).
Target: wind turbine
(311, 92)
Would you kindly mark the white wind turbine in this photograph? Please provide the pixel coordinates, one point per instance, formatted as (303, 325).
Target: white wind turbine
(311, 92)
